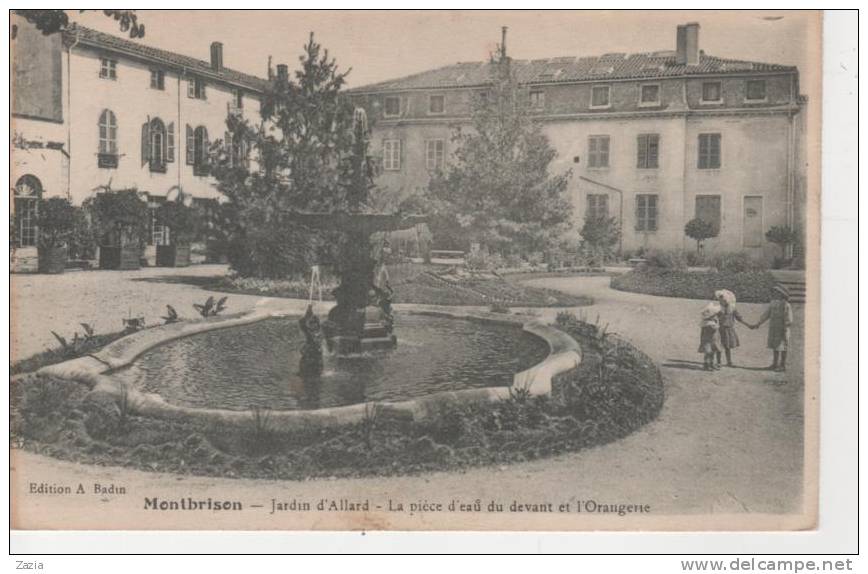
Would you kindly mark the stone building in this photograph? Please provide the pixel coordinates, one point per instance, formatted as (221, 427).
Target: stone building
(653, 139)
(91, 110)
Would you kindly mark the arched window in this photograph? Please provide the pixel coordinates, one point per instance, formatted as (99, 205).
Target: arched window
(108, 133)
(158, 144)
(28, 191)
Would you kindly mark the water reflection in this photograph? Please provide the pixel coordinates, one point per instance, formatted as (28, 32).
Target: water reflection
(259, 364)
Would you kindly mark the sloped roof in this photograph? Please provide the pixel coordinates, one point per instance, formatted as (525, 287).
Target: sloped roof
(617, 66)
(98, 39)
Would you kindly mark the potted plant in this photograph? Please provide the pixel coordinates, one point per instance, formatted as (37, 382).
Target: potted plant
(120, 224)
(55, 221)
(783, 236)
(183, 222)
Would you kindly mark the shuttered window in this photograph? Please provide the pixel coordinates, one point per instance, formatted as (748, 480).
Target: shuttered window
(648, 151)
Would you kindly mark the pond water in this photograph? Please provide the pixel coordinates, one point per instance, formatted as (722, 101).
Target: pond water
(256, 365)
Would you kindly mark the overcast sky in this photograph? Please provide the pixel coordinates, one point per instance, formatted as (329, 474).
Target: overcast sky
(380, 45)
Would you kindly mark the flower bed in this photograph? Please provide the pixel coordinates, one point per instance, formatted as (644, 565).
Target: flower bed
(615, 391)
(421, 284)
(748, 286)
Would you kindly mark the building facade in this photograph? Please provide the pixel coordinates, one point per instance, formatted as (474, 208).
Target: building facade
(653, 139)
(92, 111)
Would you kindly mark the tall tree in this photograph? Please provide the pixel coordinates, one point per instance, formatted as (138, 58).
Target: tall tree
(498, 192)
(297, 159)
(53, 21)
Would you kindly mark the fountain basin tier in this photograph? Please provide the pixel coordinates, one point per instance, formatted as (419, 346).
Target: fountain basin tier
(257, 365)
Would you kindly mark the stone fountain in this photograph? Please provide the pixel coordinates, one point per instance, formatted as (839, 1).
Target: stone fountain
(362, 318)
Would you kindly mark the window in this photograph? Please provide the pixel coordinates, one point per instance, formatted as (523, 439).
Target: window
(755, 90)
(435, 154)
(391, 155)
(600, 97)
(708, 209)
(392, 107)
(537, 99)
(238, 99)
(598, 206)
(436, 105)
(196, 88)
(197, 149)
(158, 80)
(646, 212)
(108, 69)
(28, 191)
(158, 144)
(711, 92)
(648, 146)
(108, 140)
(598, 151)
(709, 151)
(649, 95)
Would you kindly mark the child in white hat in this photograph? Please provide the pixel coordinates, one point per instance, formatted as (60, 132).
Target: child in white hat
(709, 336)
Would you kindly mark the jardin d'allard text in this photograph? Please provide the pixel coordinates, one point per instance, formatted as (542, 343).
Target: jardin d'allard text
(290, 505)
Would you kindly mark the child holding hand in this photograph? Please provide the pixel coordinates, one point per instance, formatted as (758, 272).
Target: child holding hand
(709, 336)
(779, 314)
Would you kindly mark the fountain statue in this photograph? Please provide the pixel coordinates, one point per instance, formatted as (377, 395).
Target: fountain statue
(362, 318)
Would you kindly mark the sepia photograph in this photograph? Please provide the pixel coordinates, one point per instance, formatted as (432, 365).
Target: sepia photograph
(414, 270)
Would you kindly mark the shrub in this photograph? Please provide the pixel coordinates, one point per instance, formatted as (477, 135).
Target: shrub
(184, 222)
(782, 236)
(118, 217)
(600, 237)
(658, 259)
(748, 286)
(56, 221)
(699, 230)
(738, 262)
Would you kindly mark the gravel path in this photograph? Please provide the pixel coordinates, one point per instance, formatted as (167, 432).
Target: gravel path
(727, 443)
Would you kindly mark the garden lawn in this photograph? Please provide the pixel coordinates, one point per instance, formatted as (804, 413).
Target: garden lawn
(412, 283)
(748, 286)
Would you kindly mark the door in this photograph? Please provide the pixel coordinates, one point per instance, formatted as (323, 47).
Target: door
(752, 223)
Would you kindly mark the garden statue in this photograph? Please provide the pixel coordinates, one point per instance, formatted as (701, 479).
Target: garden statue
(354, 324)
(311, 352)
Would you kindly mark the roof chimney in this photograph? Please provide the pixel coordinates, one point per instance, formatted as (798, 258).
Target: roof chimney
(217, 56)
(282, 72)
(687, 44)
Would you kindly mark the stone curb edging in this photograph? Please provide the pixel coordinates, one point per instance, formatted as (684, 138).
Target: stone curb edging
(565, 354)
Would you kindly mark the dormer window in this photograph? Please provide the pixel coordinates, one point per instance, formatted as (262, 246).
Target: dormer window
(600, 97)
(755, 91)
(649, 95)
(436, 104)
(392, 106)
(711, 92)
(196, 88)
(108, 69)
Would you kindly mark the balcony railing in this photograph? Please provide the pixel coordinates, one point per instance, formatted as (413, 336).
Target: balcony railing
(107, 160)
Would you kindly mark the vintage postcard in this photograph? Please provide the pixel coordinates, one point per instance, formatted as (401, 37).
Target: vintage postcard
(414, 270)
